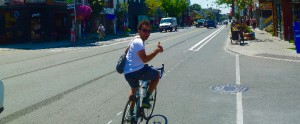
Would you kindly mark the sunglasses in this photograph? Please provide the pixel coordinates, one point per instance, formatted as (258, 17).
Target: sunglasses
(146, 31)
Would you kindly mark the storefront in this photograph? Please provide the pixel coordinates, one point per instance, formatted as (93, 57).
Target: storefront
(33, 22)
(295, 12)
(107, 18)
(12, 25)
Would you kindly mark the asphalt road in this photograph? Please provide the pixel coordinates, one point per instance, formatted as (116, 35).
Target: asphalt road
(79, 85)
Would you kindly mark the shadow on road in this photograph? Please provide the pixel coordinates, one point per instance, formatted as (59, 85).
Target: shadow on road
(157, 119)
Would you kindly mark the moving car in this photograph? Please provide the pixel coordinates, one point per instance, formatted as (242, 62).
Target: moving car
(211, 23)
(168, 24)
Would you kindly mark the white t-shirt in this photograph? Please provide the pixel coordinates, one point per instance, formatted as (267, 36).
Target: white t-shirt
(134, 62)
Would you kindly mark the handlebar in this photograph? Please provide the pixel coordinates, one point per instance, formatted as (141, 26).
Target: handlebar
(162, 70)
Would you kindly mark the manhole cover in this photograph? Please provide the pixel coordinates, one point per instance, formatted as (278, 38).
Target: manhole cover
(229, 88)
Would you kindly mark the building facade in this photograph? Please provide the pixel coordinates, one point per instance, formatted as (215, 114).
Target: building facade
(23, 21)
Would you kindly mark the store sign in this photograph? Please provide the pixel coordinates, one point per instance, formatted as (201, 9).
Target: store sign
(295, 1)
(108, 11)
(4, 2)
(1, 2)
(265, 6)
(70, 6)
(35, 1)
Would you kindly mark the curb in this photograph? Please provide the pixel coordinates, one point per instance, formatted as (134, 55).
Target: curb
(228, 42)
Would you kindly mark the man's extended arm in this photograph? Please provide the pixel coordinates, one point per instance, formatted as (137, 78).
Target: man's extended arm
(146, 58)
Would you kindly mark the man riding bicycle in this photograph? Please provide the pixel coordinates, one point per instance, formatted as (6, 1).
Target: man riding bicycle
(135, 68)
(101, 31)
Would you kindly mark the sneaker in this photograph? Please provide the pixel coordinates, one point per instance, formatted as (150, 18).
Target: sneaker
(146, 104)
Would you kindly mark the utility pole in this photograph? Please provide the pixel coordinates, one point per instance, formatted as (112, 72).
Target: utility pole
(232, 8)
(75, 12)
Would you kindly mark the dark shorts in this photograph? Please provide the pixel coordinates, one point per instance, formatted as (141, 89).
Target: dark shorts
(146, 73)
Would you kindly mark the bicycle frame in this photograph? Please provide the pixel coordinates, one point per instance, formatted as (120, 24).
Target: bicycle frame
(138, 97)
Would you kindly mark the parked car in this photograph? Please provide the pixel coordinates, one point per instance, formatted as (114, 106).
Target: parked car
(1, 96)
(168, 24)
(211, 23)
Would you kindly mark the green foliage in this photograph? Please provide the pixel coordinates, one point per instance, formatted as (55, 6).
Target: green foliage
(174, 8)
(293, 48)
(196, 7)
(270, 28)
(127, 30)
(153, 28)
(291, 41)
(226, 2)
(123, 8)
(248, 30)
(241, 4)
(96, 5)
(69, 1)
(152, 5)
(242, 27)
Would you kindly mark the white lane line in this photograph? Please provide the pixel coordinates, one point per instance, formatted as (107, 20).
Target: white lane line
(205, 39)
(109, 122)
(237, 70)
(239, 99)
(119, 113)
(208, 40)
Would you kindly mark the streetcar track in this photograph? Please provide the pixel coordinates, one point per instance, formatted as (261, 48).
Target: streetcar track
(60, 64)
(5, 78)
(22, 112)
(48, 101)
(66, 51)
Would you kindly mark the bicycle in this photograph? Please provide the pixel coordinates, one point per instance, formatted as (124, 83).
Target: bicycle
(139, 112)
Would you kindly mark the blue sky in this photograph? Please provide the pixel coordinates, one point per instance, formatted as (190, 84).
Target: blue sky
(210, 3)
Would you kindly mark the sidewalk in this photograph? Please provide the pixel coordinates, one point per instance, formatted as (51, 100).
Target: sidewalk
(90, 41)
(265, 46)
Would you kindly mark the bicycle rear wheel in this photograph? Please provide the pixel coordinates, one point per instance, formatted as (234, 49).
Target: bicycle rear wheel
(148, 112)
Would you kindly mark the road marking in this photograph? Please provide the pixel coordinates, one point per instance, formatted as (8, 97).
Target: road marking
(205, 40)
(119, 113)
(109, 122)
(239, 99)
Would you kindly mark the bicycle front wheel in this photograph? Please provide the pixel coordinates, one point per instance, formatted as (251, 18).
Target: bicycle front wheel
(148, 112)
(126, 118)
(135, 117)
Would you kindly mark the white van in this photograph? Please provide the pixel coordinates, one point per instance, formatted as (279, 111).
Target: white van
(168, 24)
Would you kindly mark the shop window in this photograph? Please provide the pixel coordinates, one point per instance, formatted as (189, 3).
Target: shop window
(36, 33)
(266, 13)
(9, 24)
(296, 12)
(10, 21)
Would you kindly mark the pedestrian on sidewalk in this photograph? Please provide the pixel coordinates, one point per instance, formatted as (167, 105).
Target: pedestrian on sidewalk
(241, 34)
(253, 23)
(101, 31)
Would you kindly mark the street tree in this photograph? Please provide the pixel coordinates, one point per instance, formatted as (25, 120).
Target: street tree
(153, 6)
(241, 4)
(97, 6)
(196, 7)
(174, 8)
